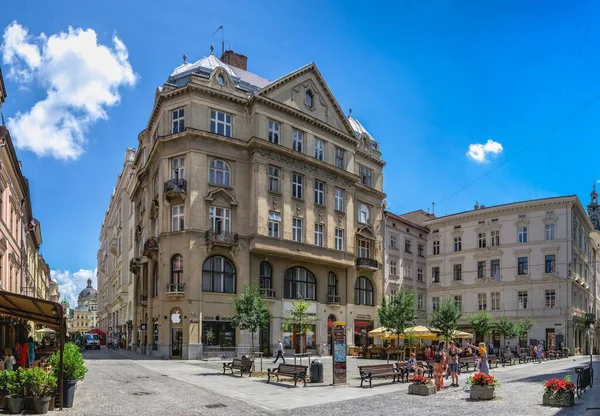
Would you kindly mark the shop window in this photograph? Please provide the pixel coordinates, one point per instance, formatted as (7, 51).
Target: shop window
(293, 338)
(218, 333)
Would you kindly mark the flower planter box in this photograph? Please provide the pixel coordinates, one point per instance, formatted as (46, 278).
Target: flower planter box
(482, 392)
(421, 389)
(562, 399)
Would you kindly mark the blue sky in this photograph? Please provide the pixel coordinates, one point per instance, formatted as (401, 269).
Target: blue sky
(427, 82)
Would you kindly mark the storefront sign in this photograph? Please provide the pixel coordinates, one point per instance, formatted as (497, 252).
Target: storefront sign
(363, 316)
(339, 352)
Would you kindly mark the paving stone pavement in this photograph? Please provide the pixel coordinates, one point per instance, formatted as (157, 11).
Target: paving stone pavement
(127, 383)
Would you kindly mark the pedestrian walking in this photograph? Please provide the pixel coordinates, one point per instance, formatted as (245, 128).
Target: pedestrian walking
(440, 362)
(279, 353)
(484, 366)
(453, 352)
(540, 351)
(31, 352)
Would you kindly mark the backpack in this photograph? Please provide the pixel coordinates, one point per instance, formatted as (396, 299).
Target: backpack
(438, 357)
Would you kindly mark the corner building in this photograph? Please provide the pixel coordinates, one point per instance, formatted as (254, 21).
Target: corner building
(243, 180)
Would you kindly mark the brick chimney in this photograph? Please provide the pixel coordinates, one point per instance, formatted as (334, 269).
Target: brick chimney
(235, 59)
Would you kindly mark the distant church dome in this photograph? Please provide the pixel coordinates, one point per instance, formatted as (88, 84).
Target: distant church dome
(89, 292)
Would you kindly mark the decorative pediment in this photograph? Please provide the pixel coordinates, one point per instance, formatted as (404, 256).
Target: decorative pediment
(522, 222)
(523, 278)
(456, 284)
(221, 197)
(457, 259)
(220, 78)
(550, 219)
(366, 232)
(550, 277)
(487, 252)
(457, 233)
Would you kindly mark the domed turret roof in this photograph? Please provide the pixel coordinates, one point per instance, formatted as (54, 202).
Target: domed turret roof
(89, 292)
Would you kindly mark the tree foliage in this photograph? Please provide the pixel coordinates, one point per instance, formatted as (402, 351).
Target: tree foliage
(524, 325)
(298, 316)
(482, 322)
(506, 327)
(398, 313)
(444, 319)
(250, 311)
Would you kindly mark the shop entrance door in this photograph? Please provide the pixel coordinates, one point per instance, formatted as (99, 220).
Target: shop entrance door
(550, 339)
(176, 342)
(330, 320)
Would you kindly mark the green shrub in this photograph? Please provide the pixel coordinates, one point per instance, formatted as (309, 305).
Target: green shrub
(74, 368)
(40, 383)
(15, 382)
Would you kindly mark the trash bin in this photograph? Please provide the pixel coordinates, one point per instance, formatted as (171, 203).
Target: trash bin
(316, 371)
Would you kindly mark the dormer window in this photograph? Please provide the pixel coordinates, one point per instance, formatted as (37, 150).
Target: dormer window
(308, 98)
(221, 79)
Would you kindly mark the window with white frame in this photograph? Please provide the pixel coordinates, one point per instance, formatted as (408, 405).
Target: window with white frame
(522, 235)
(419, 274)
(339, 239)
(340, 158)
(458, 301)
(495, 298)
(495, 237)
(435, 303)
(550, 263)
(364, 248)
(274, 128)
(522, 266)
(420, 302)
(297, 186)
(177, 214)
(220, 220)
(550, 298)
(436, 247)
(319, 149)
(338, 196)
(319, 234)
(481, 240)
(482, 300)
(407, 245)
(393, 268)
(178, 121)
(406, 271)
(319, 193)
(220, 123)
(298, 144)
(297, 229)
(393, 241)
(435, 274)
(522, 299)
(365, 175)
(274, 224)
(363, 214)
(481, 269)
(495, 269)
(274, 174)
(220, 173)
(550, 231)
(457, 243)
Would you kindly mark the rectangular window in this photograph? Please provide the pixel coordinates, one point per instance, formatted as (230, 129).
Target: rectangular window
(522, 263)
(482, 300)
(339, 239)
(550, 263)
(338, 196)
(393, 268)
(220, 123)
(435, 274)
(482, 240)
(457, 272)
(436, 247)
(480, 269)
(495, 296)
(407, 246)
(522, 297)
(420, 250)
(419, 274)
(393, 241)
(297, 230)
(298, 141)
(495, 269)
(274, 179)
(435, 303)
(274, 129)
(406, 270)
(319, 235)
(495, 237)
(457, 243)
(364, 249)
(550, 231)
(178, 118)
(458, 301)
(319, 149)
(274, 223)
(178, 168)
(550, 298)
(340, 158)
(522, 235)
(297, 186)
(220, 220)
(177, 213)
(420, 302)
(365, 175)
(319, 193)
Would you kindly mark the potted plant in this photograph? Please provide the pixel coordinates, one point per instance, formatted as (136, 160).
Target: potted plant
(15, 387)
(74, 371)
(40, 385)
(483, 386)
(559, 392)
(3, 389)
(421, 386)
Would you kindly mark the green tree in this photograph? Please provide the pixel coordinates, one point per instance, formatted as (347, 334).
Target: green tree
(524, 325)
(482, 322)
(398, 313)
(250, 311)
(506, 327)
(298, 316)
(444, 319)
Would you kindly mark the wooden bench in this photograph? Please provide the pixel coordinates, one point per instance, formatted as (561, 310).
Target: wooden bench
(297, 372)
(524, 358)
(244, 365)
(493, 360)
(465, 362)
(368, 372)
(508, 358)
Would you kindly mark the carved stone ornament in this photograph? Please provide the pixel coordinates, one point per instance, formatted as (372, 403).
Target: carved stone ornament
(274, 202)
(320, 215)
(340, 218)
(297, 209)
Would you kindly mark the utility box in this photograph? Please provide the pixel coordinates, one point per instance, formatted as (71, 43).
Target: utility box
(316, 371)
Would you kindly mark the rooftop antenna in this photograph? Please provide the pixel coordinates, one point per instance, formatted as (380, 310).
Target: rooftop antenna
(222, 39)
(433, 207)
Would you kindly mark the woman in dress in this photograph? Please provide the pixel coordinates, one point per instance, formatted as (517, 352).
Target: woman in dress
(483, 359)
(439, 365)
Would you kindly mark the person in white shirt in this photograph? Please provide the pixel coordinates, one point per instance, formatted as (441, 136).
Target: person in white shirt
(279, 352)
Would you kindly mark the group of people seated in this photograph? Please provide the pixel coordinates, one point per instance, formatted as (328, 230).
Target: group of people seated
(21, 356)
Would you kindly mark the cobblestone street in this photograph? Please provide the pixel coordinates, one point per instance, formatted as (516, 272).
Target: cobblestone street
(123, 383)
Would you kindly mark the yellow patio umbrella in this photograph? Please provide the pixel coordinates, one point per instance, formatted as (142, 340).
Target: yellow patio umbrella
(462, 334)
(378, 332)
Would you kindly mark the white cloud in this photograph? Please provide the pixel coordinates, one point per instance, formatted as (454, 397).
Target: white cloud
(81, 79)
(70, 284)
(480, 152)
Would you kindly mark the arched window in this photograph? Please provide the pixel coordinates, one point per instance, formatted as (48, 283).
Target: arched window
(155, 281)
(332, 284)
(176, 269)
(308, 99)
(220, 173)
(218, 275)
(363, 292)
(363, 214)
(266, 275)
(299, 283)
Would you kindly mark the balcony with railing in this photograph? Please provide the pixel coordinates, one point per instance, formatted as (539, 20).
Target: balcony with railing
(267, 293)
(365, 263)
(151, 247)
(175, 289)
(334, 299)
(221, 239)
(176, 189)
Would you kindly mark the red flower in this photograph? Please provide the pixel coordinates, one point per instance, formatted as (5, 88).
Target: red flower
(419, 379)
(557, 385)
(481, 379)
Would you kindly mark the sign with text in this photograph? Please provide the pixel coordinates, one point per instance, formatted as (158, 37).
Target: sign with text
(339, 352)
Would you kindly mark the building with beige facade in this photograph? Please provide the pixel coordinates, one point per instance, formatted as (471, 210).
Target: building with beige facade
(526, 259)
(243, 180)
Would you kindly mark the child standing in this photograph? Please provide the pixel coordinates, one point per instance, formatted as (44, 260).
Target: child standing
(9, 359)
